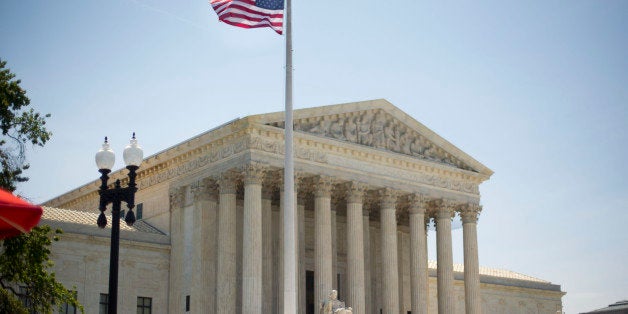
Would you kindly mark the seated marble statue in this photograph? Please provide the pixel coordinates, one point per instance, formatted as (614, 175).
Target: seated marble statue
(334, 306)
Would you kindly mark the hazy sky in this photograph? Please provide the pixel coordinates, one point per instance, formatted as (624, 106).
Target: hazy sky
(536, 90)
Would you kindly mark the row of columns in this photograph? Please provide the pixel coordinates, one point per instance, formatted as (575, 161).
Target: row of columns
(257, 270)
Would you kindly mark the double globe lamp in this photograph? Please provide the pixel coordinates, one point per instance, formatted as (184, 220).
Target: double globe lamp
(105, 159)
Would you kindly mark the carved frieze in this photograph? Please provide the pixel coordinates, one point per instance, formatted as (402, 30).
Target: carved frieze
(378, 129)
(277, 147)
(213, 154)
(437, 181)
(219, 152)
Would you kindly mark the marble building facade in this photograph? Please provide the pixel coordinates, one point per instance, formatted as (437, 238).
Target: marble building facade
(369, 179)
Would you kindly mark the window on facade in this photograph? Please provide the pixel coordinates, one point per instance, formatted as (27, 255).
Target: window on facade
(187, 303)
(68, 308)
(103, 304)
(144, 305)
(25, 298)
(339, 280)
(139, 208)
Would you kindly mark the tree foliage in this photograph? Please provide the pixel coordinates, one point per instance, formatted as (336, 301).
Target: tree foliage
(25, 262)
(25, 259)
(9, 304)
(20, 126)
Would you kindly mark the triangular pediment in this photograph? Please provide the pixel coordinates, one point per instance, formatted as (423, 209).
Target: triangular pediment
(377, 124)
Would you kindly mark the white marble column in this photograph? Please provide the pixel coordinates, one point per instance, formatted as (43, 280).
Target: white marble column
(323, 272)
(355, 248)
(367, 261)
(177, 198)
(204, 243)
(444, 211)
(469, 214)
(390, 274)
(418, 255)
(226, 279)
(376, 273)
(252, 240)
(267, 249)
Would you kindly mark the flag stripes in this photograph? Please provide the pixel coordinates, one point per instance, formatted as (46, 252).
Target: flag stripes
(248, 14)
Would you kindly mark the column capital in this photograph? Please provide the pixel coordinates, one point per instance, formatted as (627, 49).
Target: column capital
(204, 190)
(469, 212)
(227, 182)
(254, 173)
(443, 208)
(388, 198)
(177, 197)
(419, 204)
(355, 192)
(322, 186)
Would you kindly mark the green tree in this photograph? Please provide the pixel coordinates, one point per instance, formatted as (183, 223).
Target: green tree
(25, 259)
(25, 262)
(20, 126)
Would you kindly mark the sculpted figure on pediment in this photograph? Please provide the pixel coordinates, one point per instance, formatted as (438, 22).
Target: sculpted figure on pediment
(379, 137)
(405, 143)
(319, 128)
(389, 135)
(431, 152)
(400, 131)
(336, 129)
(364, 129)
(351, 129)
(415, 148)
(380, 130)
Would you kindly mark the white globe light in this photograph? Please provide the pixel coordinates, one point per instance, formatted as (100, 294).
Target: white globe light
(105, 157)
(133, 154)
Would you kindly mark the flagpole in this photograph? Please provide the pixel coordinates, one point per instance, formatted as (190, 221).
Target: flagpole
(289, 217)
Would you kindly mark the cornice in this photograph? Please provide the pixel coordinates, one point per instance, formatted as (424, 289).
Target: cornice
(241, 135)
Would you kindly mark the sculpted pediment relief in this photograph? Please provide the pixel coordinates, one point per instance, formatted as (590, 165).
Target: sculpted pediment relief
(376, 128)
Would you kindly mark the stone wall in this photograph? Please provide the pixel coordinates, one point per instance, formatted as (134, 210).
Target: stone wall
(82, 264)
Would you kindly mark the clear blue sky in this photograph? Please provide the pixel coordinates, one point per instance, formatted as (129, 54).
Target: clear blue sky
(535, 90)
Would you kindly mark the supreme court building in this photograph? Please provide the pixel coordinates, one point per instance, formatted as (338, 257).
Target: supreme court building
(368, 180)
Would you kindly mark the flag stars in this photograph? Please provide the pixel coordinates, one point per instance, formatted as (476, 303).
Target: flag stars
(270, 4)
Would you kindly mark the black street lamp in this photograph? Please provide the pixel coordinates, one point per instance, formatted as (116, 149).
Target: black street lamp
(105, 158)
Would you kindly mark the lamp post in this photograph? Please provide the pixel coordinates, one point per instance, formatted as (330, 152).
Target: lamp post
(105, 158)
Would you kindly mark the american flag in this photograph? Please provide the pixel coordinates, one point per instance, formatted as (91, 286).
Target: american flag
(250, 13)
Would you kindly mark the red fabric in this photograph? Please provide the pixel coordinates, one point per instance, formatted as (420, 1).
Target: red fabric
(17, 215)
